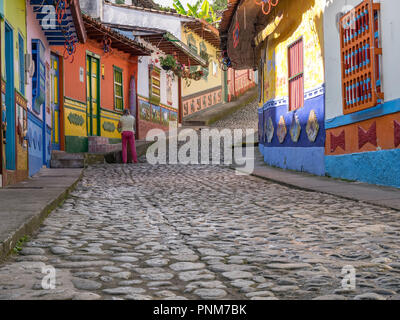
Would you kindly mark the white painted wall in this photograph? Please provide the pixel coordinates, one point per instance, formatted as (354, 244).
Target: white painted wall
(390, 30)
(140, 18)
(143, 78)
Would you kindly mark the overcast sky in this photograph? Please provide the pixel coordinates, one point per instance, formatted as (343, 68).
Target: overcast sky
(169, 3)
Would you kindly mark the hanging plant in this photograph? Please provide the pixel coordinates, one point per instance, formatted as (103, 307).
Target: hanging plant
(168, 62)
(196, 75)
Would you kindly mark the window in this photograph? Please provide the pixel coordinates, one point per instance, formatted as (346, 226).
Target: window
(118, 89)
(39, 77)
(204, 55)
(192, 43)
(360, 57)
(154, 85)
(296, 75)
(21, 53)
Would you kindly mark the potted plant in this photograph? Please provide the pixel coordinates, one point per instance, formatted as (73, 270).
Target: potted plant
(196, 75)
(168, 62)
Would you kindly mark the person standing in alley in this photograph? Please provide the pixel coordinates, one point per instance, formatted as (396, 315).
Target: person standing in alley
(126, 125)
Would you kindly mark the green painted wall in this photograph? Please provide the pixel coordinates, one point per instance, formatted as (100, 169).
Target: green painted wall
(76, 144)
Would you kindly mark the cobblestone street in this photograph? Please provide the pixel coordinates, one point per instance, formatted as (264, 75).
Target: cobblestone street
(190, 232)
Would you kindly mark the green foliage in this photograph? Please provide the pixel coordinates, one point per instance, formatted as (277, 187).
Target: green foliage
(201, 10)
(19, 244)
(168, 61)
(219, 5)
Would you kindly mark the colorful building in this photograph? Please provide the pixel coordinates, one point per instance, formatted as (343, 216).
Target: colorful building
(160, 92)
(202, 39)
(99, 82)
(362, 92)
(43, 73)
(238, 82)
(285, 43)
(14, 102)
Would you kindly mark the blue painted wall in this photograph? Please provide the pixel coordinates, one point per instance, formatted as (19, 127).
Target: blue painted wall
(39, 148)
(302, 155)
(377, 167)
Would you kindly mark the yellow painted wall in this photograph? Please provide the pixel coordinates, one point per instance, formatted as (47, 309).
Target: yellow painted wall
(110, 117)
(301, 19)
(212, 81)
(75, 109)
(15, 15)
(71, 108)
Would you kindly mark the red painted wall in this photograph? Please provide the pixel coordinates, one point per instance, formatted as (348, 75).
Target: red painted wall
(239, 81)
(76, 90)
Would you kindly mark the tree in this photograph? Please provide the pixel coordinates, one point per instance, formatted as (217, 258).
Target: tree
(219, 5)
(201, 9)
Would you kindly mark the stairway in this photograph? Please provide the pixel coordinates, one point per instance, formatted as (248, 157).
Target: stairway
(103, 145)
(61, 159)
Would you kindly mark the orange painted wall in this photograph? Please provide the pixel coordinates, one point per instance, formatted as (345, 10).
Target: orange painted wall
(76, 90)
(384, 133)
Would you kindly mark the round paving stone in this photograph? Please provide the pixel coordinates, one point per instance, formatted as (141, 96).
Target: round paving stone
(85, 284)
(157, 262)
(124, 291)
(183, 266)
(233, 275)
(125, 259)
(32, 251)
(60, 250)
(210, 293)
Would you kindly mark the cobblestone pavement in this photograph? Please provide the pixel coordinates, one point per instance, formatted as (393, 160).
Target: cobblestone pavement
(244, 118)
(202, 232)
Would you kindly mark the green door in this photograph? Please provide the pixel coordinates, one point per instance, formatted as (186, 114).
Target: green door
(93, 95)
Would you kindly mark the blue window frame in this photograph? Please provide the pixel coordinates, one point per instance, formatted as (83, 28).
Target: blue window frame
(21, 54)
(39, 77)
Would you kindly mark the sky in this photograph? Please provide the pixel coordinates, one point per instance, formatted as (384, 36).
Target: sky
(169, 3)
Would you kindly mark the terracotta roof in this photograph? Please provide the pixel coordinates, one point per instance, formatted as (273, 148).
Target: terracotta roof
(151, 10)
(204, 30)
(97, 31)
(164, 41)
(169, 44)
(201, 27)
(227, 15)
(78, 21)
(145, 4)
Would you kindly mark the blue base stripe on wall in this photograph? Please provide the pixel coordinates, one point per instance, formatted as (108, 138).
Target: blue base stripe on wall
(377, 167)
(310, 160)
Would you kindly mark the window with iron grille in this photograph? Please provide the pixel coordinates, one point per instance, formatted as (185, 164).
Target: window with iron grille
(118, 89)
(296, 75)
(360, 57)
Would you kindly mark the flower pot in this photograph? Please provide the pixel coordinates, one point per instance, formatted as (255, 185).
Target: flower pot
(166, 68)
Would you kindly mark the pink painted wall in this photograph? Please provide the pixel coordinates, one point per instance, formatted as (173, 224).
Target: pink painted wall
(239, 81)
(34, 31)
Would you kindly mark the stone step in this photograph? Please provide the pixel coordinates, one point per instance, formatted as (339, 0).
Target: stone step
(67, 163)
(105, 148)
(95, 140)
(194, 123)
(62, 155)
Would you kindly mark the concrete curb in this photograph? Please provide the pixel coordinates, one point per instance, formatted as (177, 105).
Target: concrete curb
(379, 202)
(30, 226)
